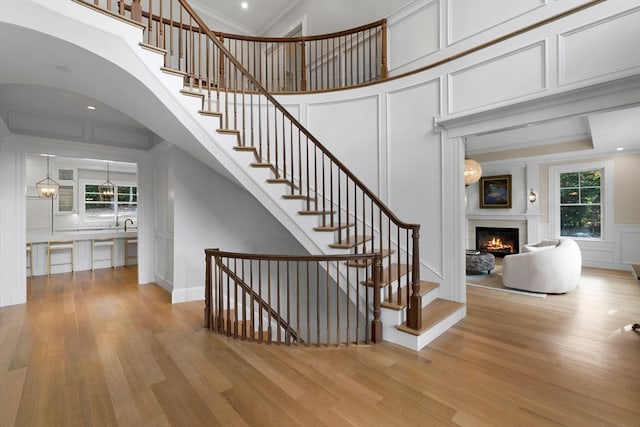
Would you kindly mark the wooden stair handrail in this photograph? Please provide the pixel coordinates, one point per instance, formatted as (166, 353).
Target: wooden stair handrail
(376, 273)
(265, 306)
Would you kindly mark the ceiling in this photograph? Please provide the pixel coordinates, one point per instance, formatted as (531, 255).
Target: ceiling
(599, 133)
(255, 19)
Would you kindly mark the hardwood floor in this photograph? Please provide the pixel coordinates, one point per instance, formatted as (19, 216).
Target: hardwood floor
(96, 349)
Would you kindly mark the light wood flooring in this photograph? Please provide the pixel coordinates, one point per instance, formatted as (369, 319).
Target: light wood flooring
(96, 349)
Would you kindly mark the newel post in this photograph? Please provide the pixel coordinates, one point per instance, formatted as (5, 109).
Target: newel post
(207, 290)
(414, 308)
(383, 64)
(376, 323)
(136, 11)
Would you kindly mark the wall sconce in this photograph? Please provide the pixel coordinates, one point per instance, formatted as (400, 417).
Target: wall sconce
(532, 196)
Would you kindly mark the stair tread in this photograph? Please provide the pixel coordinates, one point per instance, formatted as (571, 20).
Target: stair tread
(636, 271)
(366, 263)
(153, 48)
(316, 212)
(296, 197)
(173, 71)
(436, 311)
(392, 303)
(246, 148)
(350, 242)
(231, 131)
(210, 113)
(336, 227)
(389, 274)
(261, 165)
(189, 92)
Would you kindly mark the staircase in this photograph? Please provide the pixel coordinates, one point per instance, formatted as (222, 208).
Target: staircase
(333, 211)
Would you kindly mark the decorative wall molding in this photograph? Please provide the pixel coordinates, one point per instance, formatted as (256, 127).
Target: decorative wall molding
(616, 36)
(529, 62)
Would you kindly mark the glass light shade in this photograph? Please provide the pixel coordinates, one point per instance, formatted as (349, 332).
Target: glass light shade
(47, 188)
(472, 172)
(532, 196)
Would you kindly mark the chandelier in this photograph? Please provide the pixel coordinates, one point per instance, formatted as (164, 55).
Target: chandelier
(106, 189)
(47, 188)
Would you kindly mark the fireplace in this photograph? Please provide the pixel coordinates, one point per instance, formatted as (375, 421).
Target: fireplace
(498, 241)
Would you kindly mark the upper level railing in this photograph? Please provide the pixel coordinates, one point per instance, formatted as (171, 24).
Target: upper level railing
(292, 299)
(281, 64)
(314, 63)
(278, 141)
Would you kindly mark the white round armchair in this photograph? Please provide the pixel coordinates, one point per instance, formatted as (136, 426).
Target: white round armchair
(552, 267)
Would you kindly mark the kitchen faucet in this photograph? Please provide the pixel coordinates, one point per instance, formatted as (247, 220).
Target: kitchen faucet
(125, 223)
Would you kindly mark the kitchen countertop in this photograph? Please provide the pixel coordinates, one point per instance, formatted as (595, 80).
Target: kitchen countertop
(43, 237)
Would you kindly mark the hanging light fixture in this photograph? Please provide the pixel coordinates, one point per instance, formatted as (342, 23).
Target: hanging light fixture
(472, 169)
(106, 189)
(532, 196)
(47, 188)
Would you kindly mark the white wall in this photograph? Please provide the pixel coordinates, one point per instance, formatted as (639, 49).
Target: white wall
(209, 211)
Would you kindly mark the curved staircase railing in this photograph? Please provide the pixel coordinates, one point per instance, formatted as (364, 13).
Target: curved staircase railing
(311, 174)
(337, 60)
(292, 299)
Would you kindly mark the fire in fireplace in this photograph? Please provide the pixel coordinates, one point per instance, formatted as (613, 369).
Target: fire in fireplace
(498, 241)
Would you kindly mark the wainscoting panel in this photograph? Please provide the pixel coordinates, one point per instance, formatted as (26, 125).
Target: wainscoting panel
(417, 23)
(508, 77)
(416, 196)
(629, 244)
(350, 131)
(467, 18)
(600, 49)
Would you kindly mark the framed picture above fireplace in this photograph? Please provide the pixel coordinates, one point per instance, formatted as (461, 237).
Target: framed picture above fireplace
(495, 192)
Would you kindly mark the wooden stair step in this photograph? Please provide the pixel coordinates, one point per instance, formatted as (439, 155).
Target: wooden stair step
(350, 242)
(316, 212)
(335, 227)
(229, 131)
(210, 113)
(366, 262)
(389, 274)
(394, 304)
(636, 271)
(246, 148)
(261, 165)
(189, 92)
(296, 196)
(152, 48)
(436, 311)
(173, 71)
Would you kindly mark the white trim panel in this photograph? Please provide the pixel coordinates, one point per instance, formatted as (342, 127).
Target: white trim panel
(508, 77)
(606, 48)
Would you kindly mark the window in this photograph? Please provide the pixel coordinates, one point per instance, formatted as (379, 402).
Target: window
(97, 209)
(579, 204)
(580, 207)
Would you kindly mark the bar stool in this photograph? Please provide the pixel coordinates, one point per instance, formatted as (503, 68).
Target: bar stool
(60, 245)
(30, 255)
(127, 257)
(103, 243)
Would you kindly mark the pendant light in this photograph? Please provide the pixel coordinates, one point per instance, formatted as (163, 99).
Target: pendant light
(47, 188)
(472, 169)
(106, 189)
